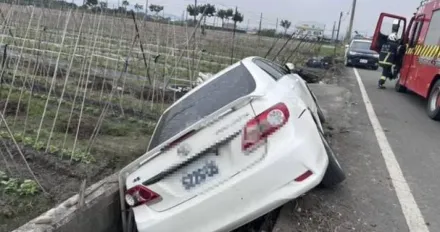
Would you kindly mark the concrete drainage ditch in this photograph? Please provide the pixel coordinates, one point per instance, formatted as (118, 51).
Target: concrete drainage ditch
(100, 211)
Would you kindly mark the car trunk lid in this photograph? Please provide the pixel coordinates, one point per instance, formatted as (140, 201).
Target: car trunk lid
(200, 158)
(197, 143)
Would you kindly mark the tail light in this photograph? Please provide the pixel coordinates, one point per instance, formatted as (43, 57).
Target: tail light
(263, 125)
(139, 195)
(304, 176)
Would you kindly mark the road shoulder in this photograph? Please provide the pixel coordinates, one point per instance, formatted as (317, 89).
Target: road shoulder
(366, 201)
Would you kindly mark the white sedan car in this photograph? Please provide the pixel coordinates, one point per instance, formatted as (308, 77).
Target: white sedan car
(234, 148)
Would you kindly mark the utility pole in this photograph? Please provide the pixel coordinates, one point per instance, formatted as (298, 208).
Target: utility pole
(276, 27)
(350, 25)
(337, 34)
(193, 67)
(261, 19)
(195, 12)
(259, 28)
(333, 31)
(146, 7)
(339, 25)
(233, 37)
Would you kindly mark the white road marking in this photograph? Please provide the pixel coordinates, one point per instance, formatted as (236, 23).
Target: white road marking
(410, 210)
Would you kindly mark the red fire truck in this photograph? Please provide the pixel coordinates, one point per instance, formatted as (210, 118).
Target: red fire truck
(420, 69)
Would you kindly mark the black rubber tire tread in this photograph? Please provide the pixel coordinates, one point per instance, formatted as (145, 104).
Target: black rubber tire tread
(433, 114)
(398, 87)
(131, 224)
(334, 174)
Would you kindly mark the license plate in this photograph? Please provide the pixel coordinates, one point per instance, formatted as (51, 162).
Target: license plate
(363, 61)
(200, 175)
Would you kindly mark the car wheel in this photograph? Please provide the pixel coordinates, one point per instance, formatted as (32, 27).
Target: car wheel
(334, 173)
(131, 224)
(433, 106)
(398, 87)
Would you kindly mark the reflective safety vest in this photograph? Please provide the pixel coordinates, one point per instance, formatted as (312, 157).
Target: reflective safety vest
(388, 53)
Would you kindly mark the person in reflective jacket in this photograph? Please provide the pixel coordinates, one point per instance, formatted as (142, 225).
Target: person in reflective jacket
(388, 56)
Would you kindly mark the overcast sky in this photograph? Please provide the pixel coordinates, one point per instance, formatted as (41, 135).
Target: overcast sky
(322, 11)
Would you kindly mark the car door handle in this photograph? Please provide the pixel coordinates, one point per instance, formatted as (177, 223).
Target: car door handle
(292, 86)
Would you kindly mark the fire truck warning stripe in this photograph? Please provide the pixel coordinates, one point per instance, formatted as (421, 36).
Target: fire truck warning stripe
(418, 50)
(421, 49)
(426, 51)
(435, 51)
(432, 51)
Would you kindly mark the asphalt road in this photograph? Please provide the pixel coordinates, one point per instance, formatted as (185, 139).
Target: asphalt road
(368, 200)
(414, 139)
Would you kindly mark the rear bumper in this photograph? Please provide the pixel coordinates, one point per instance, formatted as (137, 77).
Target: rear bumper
(356, 60)
(252, 192)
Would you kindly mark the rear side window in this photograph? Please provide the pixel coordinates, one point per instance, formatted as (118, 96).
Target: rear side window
(360, 45)
(235, 83)
(279, 68)
(270, 68)
(433, 35)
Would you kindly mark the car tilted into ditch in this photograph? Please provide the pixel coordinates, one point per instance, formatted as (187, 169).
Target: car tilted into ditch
(235, 147)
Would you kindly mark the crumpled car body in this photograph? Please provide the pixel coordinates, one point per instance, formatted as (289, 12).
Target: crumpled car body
(235, 147)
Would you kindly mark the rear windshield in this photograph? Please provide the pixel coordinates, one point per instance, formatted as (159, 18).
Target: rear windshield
(235, 83)
(361, 45)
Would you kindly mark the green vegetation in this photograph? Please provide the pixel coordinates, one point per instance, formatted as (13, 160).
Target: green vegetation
(22, 187)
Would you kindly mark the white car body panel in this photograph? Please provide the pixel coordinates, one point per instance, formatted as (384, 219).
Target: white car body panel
(248, 185)
(249, 194)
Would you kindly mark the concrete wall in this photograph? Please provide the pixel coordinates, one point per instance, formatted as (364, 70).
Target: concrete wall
(100, 213)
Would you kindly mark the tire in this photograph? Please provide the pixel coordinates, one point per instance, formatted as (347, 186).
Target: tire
(433, 106)
(131, 224)
(375, 68)
(398, 87)
(334, 174)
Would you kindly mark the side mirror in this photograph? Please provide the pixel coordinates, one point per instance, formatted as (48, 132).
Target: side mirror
(290, 67)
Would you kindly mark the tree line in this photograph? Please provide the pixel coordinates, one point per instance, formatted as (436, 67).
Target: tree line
(207, 10)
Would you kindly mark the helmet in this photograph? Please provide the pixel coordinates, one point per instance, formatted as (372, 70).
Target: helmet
(396, 24)
(392, 37)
